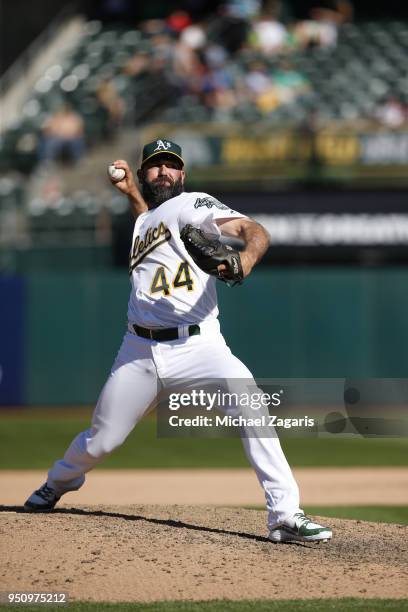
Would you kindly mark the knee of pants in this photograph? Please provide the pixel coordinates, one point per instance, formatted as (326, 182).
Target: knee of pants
(104, 444)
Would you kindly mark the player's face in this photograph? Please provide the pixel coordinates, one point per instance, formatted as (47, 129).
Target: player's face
(163, 169)
(161, 178)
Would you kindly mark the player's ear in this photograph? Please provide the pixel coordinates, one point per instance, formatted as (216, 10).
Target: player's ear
(139, 175)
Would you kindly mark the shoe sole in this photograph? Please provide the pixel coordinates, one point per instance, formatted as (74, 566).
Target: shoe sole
(37, 509)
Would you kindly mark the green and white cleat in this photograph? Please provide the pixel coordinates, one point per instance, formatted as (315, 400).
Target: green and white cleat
(302, 529)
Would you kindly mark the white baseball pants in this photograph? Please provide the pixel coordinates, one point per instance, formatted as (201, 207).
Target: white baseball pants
(130, 391)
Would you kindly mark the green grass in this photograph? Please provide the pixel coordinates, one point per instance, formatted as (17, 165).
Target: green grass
(379, 514)
(313, 605)
(34, 439)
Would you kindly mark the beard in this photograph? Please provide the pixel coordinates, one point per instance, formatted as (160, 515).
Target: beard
(159, 190)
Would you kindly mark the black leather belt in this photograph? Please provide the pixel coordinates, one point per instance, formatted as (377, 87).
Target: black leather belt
(172, 333)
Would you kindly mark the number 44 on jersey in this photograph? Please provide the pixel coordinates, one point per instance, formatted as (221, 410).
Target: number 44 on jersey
(181, 279)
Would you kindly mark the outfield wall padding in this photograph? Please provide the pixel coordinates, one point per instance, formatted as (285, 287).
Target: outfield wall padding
(60, 332)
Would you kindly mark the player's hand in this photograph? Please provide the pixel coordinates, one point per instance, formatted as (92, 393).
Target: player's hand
(127, 185)
(246, 264)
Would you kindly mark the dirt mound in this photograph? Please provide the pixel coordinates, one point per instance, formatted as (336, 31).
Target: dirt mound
(148, 553)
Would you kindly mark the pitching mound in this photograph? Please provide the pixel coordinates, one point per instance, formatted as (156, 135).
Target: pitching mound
(148, 553)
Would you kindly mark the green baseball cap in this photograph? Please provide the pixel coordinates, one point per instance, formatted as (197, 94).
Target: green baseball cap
(162, 146)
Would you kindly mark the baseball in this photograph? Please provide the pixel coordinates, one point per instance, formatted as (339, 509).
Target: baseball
(116, 174)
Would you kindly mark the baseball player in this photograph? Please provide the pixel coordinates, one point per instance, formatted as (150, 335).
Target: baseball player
(173, 331)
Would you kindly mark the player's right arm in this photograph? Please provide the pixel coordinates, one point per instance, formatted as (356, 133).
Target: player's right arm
(128, 187)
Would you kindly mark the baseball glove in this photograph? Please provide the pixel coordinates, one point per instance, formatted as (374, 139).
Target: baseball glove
(208, 254)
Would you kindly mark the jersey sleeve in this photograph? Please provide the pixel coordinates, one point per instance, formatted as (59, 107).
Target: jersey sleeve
(203, 210)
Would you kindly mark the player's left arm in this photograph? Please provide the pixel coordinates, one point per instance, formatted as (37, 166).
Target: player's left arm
(256, 238)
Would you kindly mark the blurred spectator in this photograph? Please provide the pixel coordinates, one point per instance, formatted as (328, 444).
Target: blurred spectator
(178, 21)
(187, 68)
(315, 33)
(268, 35)
(391, 113)
(162, 46)
(290, 83)
(137, 64)
(215, 56)
(268, 91)
(112, 103)
(62, 136)
(260, 87)
(194, 36)
(229, 29)
(257, 79)
(217, 87)
(321, 29)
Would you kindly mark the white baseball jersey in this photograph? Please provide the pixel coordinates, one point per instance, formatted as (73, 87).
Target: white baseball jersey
(168, 288)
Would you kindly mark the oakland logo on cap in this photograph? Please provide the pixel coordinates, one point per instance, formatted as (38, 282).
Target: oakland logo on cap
(162, 145)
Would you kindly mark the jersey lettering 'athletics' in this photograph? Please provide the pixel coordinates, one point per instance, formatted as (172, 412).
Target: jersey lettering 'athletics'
(154, 237)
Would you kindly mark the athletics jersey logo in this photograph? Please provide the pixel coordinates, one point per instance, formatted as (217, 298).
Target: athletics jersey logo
(209, 203)
(154, 237)
(162, 145)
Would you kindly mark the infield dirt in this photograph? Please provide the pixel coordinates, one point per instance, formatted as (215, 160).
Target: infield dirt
(150, 553)
(221, 487)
